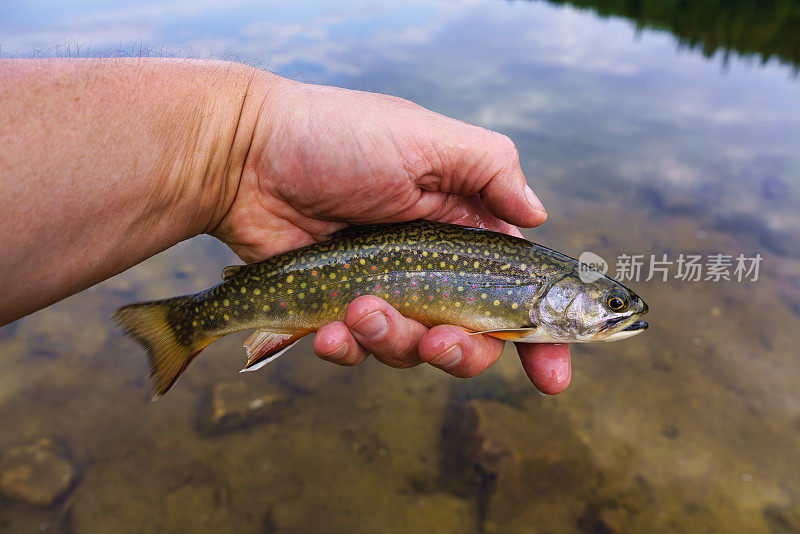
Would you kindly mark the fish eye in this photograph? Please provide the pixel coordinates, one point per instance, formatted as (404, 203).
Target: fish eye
(616, 301)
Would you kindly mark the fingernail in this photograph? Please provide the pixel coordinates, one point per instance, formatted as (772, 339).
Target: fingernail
(337, 354)
(533, 200)
(449, 358)
(372, 325)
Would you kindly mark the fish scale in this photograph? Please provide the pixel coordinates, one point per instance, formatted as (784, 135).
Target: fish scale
(435, 273)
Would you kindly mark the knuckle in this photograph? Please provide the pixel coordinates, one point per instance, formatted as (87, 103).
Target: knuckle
(505, 147)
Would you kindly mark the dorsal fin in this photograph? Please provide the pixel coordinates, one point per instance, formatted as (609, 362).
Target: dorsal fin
(351, 231)
(230, 271)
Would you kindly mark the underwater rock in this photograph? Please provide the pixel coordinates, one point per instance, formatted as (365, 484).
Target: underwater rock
(36, 474)
(529, 475)
(235, 404)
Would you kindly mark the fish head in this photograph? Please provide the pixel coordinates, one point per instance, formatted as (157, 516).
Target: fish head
(572, 310)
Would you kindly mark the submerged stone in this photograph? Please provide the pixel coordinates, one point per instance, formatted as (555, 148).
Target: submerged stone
(529, 473)
(36, 474)
(236, 404)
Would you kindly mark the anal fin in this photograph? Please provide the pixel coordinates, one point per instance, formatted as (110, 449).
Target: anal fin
(264, 346)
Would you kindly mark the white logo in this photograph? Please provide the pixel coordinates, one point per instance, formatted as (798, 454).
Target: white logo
(592, 267)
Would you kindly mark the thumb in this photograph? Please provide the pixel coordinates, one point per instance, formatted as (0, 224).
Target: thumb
(472, 160)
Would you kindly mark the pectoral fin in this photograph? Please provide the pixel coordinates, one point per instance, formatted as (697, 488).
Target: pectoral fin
(509, 334)
(264, 346)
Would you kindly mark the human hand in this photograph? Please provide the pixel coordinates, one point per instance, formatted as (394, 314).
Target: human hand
(322, 158)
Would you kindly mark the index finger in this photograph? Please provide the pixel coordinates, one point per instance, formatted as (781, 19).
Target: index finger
(547, 365)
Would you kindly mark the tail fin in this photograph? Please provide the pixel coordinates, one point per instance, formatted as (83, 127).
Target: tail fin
(155, 325)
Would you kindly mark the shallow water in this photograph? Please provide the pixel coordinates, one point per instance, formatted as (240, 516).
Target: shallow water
(638, 140)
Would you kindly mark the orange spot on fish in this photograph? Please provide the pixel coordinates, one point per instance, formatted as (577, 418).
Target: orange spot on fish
(334, 293)
(377, 287)
(373, 267)
(446, 295)
(430, 297)
(314, 272)
(385, 258)
(283, 304)
(414, 297)
(470, 299)
(347, 265)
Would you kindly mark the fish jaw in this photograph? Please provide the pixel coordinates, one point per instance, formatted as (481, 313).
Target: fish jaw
(636, 327)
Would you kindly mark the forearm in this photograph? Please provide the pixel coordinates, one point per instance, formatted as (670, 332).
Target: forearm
(104, 163)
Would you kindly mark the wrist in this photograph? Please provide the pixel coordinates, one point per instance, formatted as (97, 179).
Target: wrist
(210, 167)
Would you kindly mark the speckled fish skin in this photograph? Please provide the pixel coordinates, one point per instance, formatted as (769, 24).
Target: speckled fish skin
(433, 272)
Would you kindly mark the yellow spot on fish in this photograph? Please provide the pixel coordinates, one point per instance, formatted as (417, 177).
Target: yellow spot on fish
(442, 264)
(514, 306)
(245, 306)
(265, 307)
(496, 303)
(290, 279)
(361, 261)
(244, 290)
(226, 302)
(216, 304)
(505, 266)
(333, 275)
(424, 252)
(194, 323)
(196, 309)
(435, 254)
(336, 309)
(226, 317)
(455, 257)
(458, 304)
(484, 295)
(303, 285)
(301, 295)
(272, 290)
(461, 288)
(289, 291)
(256, 292)
(523, 266)
(487, 314)
(476, 264)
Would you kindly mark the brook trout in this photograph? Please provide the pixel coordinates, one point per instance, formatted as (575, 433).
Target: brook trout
(436, 273)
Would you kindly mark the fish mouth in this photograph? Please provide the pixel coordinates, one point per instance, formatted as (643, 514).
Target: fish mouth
(635, 327)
